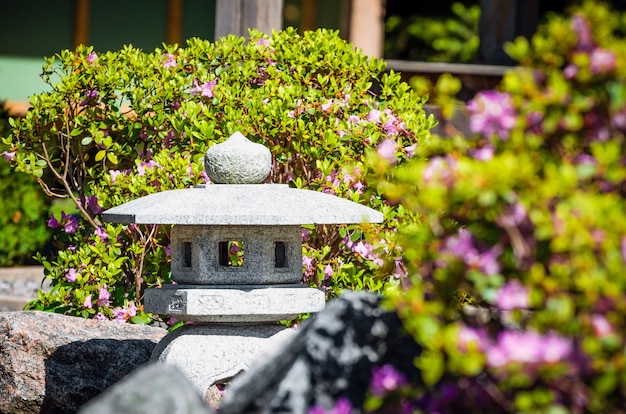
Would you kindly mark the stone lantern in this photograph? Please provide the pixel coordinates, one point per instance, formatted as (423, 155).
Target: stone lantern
(236, 259)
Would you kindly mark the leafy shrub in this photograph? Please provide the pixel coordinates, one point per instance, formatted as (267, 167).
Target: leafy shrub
(120, 125)
(24, 209)
(437, 39)
(517, 264)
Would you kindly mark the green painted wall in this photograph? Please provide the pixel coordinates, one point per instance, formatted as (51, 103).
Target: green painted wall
(30, 30)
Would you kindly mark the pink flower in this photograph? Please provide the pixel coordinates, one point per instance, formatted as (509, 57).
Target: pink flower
(624, 248)
(410, 150)
(206, 89)
(602, 61)
(141, 168)
(513, 295)
(9, 155)
(374, 116)
(263, 42)
(170, 60)
(601, 325)
(570, 71)
(308, 265)
(387, 150)
(528, 348)
(87, 303)
(91, 58)
(492, 113)
(386, 379)
(71, 275)
(470, 336)
(326, 106)
(582, 29)
(99, 317)
(328, 271)
(483, 154)
(354, 119)
(306, 234)
(441, 170)
(114, 174)
(103, 296)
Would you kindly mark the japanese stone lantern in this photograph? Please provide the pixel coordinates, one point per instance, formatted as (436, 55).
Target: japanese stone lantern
(236, 251)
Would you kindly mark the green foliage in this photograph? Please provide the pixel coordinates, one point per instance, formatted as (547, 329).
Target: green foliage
(438, 39)
(24, 209)
(517, 263)
(120, 125)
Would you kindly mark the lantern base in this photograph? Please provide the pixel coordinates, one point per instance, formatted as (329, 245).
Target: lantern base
(213, 354)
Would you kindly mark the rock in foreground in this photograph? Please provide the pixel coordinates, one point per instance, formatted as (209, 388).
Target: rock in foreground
(52, 363)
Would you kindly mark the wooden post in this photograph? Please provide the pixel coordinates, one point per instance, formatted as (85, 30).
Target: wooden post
(367, 26)
(237, 16)
(174, 27)
(81, 23)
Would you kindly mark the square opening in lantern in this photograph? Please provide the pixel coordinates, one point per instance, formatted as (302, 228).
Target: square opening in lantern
(231, 253)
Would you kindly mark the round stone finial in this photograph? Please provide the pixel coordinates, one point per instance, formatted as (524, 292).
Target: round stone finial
(238, 161)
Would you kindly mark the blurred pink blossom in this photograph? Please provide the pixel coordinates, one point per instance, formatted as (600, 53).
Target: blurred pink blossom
(513, 295)
(602, 61)
(601, 325)
(492, 113)
(387, 150)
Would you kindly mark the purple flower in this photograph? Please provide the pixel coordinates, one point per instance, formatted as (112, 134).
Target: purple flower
(387, 150)
(170, 60)
(354, 119)
(462, 247)
(71, 224)
(328, 271)
(99, 317)
(71, 275)
(92, 204)
(87, 303)
(326, 106)
(141, 168)
(9, 155)
(103, 296)
(386, 379)
(410, 150)
(206, 89)
(570, 71)
(374, 116)
(99, 232)
(582, 29)
(602, 61)
(492, 113)
(91, 98)
(483, 154)
(513, 295)
(263, 42)
(307, 262)
(52, 222)
(91, 58)
(114, 174)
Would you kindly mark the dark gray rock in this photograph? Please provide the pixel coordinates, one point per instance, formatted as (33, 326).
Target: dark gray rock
(331, 357)
(51, 363)
(151, 389)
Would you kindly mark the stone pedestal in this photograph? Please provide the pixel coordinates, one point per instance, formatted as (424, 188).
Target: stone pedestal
(211, 354)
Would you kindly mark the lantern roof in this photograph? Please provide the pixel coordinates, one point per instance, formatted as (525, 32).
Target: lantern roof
(242, 204)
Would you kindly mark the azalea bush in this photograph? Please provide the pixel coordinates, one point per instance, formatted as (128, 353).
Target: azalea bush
(517, 263)
(119, 125)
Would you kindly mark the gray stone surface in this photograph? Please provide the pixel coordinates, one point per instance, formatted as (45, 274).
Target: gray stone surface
(238, 161)
(259, 254)
(208, 354)
(244, 204)
(234, 303)
(51, 363)
(19, 285)
(330, 357)
(151, 389)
